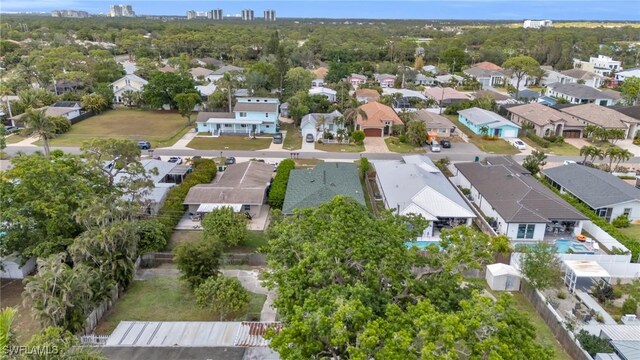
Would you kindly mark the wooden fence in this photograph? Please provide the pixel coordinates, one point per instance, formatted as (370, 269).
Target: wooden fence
(98, 312)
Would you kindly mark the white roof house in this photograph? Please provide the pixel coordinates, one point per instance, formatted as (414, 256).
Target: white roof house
(629, 73)
(406, 93)
(330, 94)
(415, 185)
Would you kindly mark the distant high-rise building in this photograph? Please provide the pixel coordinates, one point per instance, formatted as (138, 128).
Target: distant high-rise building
(121, 11)
(537, 24)
(247, 15)
(269, 15)
(69, 13)
(191, 14)
(215, 14)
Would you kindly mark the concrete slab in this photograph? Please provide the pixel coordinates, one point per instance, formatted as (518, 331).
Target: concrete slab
(375, 145)
(629, 145)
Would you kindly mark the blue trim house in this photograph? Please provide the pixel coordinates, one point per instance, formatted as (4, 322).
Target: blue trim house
(251, 115)
(476, 118)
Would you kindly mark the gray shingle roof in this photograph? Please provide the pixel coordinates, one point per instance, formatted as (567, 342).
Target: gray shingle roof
(579, 91)
(226, 69)
(516, 196)
(313, 118)
(594, 187)
(310, 188)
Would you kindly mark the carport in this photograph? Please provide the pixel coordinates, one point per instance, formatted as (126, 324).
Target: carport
(576, 269)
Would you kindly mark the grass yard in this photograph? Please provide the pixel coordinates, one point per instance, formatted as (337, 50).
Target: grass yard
(489, 146)
(563, 149)
(14, 138)
(352, 148)
(255, 240)
(24, 325)
(632, 231)
(293, 140)
(544, 335)
(394, 145)
(161, 128)
(307, 162)
(229, 142)
(164, 298)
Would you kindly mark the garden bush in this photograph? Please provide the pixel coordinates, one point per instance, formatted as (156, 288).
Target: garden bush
(278, 188)
(358, 136)
(554, 139)
(630, 306)
(537, 139)
(621, 221)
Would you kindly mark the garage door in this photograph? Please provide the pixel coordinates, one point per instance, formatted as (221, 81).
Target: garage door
(571, 134)
(373, 132)
(509, 133)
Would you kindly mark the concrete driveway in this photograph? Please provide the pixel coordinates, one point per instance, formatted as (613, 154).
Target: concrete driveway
(375, 145)
(628, 144)
(308, 146)
(522, 152)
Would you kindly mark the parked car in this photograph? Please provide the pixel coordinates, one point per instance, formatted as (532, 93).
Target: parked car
(435, 147)
(144, 145)
(10, 130)
(175, 159)
(277, 138)
(309, 138)
(446, 144)
(230, 161)
(569, 162)
(519, 144)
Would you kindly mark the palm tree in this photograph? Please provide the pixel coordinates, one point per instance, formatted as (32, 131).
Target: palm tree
(229, 82)
(623, 155)
(351, 114)
(94, 102)
(596, 153)
(38, 123)
(589, 130)
(484, 130)
(128, 97)
(6, 333)
(612, 153)
(587, 151)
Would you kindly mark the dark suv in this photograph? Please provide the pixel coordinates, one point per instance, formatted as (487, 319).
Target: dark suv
(446, 144)
(277, 138)
(144, 145)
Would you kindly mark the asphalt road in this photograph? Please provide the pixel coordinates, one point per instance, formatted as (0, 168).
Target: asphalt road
(452, 155)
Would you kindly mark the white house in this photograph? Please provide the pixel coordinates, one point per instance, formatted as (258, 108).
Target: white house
(219, 73)
(251, 115)
(330, 94)
(385, 80)
(579, 94)
(128, 82)
(356, 79)
(537, 24)
(629, 73)
(201, 74)
(607, 195)
(601, 65)
(317, 124)
(317, 83)
(414, 185)
(519, 206)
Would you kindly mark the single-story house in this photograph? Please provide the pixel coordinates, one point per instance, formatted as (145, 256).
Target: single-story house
(604, 117)
(430, 69)
(628, 73)
(450, 78)
(330, 94)
(520, 206)
(251, 115)
(317, 82)
(242, 186)
(206, 90)
(414, 185)
(445, 95)
(408, 99)
(607, 195)
(476, 119)
(584, 77)
(208, 61)
(174, 340)
(356, 79)
(546, 120)
(579, 94)
(317, 124)
(217, 74)
(199, 74)
(385, 80)
(487, 65)
(499, 98)
(60, 87)
(367, 95)
(310, 188)
(68, 112)
(437, 125)
(129, 82)
(167, 69)
(380, 118)
(424, 80)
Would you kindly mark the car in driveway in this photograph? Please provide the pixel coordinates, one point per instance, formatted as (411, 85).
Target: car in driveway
(309, 138)
(230, 160)
(446, 144)
(277, 138)
(435, 147)
(10, 130)
(519, 144)
(144, 145)
(175, 159)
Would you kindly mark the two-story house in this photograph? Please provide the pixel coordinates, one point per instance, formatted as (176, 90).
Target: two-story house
(356, 79)
(318, 124)
(250, 116)
(128, 82)
(385, 80)
(579, 94)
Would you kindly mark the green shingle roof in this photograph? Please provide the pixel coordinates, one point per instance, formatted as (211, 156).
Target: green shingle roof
(310, 188)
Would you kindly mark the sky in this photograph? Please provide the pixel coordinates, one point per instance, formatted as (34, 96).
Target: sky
(369, 9)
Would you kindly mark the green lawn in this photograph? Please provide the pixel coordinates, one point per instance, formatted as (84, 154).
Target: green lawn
(544, 335)
(395, 145)
(353, 148)
(632, 231)
(161, 128)
(293, 140)
(164, 298)
(14, 138)
(229, 142)
(563, 149)
(498, 146)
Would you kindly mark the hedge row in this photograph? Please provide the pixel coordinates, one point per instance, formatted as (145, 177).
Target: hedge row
(632, 244)
(538, 140)
(204, 170)
(278, 188)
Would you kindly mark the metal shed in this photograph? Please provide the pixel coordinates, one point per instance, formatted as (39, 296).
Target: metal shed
(503, 277)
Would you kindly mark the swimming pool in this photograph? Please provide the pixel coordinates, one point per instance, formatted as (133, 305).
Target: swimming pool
(564, 245)
(422, 245)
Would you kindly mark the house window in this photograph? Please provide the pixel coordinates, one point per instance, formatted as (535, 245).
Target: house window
(243, 125)
(227, 125)
(267, 126)
(266, 114)
(243, 114)
(627, 212)
(246, 207)
(525, 231)
(442, 130)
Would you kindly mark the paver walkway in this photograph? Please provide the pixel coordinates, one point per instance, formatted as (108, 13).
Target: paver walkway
(375, 145)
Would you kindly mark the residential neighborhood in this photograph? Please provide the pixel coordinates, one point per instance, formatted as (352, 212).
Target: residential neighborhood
(320, 187)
